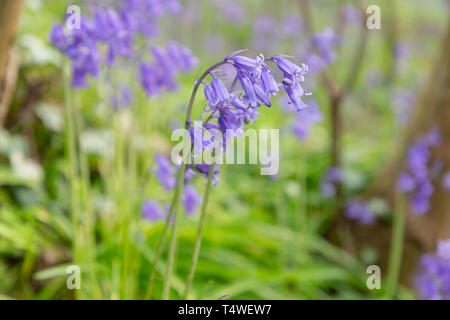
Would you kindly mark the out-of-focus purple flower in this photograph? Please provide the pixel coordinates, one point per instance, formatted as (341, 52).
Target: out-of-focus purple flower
(266, 33)
(291, 26)
(360, 211)
(316, 64)
(110, 29)
(420, 204)
(165, 172)
(228, 110)
(286, 105)
(112, 34)
(233, 11)
(443, 249)
(160, 74)
(329, 180)
(325, 41)
(406, 182)
(446, 181)
(122, 98)
(305, 119)
(401, 50)
(351, 14)
(81, 49)
(204, 168)
(181, 56)
(417, 181)
(151, 211)
(403, 101)
(434, 138)
(293, 75)
(191, 199)
(432, 280)
(401, 54)
(328, 189)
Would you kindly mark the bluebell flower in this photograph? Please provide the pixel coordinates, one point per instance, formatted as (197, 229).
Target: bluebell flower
(247, 114)
(81, 49)
(165, 172)
(181, 56)
(250, 95)
(432, 279)
(305, 119)
(406, 182)
(191, 199)
(151, 211)
(122, 97)
(325, 41)
(270, 85)
(112, 34)
(203, 168)
(351, 14)
(329, 180)
(295, 93)
(417, 180)
(446, 181)
(360, 211)
(221, 92)
(248, 66)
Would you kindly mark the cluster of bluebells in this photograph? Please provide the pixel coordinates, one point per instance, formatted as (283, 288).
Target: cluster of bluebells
(304, 120)
(360, 212)
(228, 110)
(165, 173)
(416, 180)
(330, 179)
(112, 36)
(433, 277)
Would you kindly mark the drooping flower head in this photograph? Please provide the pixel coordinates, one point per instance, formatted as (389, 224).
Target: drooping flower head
(227, 110)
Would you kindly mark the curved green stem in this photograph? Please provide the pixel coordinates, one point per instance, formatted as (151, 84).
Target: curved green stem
(175, 202)
(198, 241)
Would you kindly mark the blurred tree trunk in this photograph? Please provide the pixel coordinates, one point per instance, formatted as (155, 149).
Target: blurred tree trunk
(9, 22)
(432, 109)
